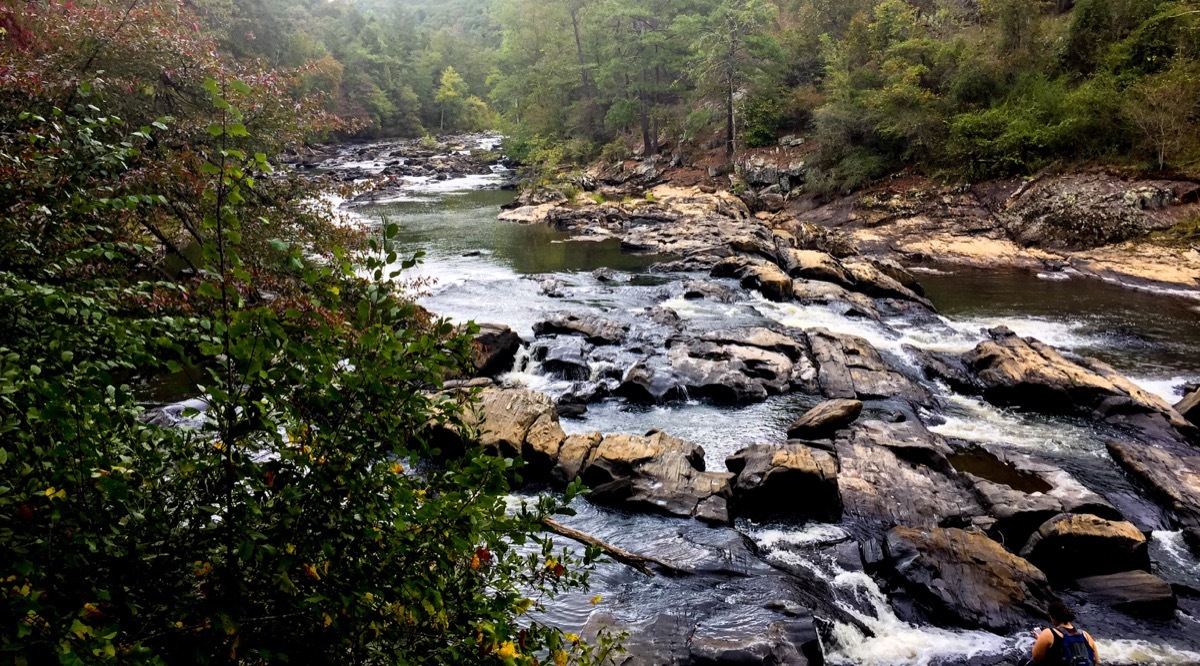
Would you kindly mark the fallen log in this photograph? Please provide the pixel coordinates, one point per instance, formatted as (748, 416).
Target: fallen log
(639, 562)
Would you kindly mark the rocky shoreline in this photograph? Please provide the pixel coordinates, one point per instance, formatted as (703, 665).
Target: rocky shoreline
(1088, 224)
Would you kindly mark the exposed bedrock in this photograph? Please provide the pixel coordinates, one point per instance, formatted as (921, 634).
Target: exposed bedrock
(1020, 492)
(1026, 373)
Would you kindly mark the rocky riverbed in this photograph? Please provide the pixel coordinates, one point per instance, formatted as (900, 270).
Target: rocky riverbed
(768, 399)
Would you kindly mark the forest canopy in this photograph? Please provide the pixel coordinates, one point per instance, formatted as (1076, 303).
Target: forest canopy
(963, 88)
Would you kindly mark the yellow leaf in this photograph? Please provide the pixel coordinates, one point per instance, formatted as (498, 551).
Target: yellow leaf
(507, 650)
(328, 620)
(560, 658)
(596, 599)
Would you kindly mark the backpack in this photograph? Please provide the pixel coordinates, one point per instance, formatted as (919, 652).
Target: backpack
(1075, 648)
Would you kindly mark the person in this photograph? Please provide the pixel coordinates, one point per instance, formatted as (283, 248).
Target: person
(1063, 643)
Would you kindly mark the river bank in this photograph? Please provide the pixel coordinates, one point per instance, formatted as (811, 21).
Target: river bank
(1117, 227)
(956, 451)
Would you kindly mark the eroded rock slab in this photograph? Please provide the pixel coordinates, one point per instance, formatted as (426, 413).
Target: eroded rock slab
(879, 486)
(849, 367)
(1172, 476)
(1023, 372)
(1021, 492)
(1139, 593)
(655, 473)
(595, 329)
(966, 579)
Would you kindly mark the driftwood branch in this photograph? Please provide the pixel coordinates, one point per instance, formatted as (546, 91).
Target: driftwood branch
(639, 562)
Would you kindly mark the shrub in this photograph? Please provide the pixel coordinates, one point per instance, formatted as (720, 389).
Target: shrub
(308, 517)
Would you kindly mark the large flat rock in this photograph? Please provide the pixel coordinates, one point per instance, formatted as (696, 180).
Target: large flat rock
(1172, 476)
(1139, 593)
(880, 487)
(1023, 372)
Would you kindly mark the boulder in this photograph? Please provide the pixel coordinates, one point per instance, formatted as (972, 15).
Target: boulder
(965, 579)
(732, 366)
(1172, 476)
(1073, 546)
(873, 282)
(519, 424)
(572, 455)
(1021, 492)
(849, 367)
(1138, 593)
(564, 356)
(595, 329)
(824, 420)
(654, 473)
(1189, 407)
(757, 274)
(495, 348)
(814, 265)
(791, 481)
(1086, 210)
(1023, 372)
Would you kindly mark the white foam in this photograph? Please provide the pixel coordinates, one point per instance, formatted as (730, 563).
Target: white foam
(1053, 277)
(1165, 388)
(1143, 652)
(974, 420)
(1172, 544)
(895, 641)
(771, 539)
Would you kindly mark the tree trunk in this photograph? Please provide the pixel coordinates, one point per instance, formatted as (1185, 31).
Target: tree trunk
(729, 118)
(583, 74)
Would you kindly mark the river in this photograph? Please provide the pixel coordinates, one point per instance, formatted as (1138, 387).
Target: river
(479, 268)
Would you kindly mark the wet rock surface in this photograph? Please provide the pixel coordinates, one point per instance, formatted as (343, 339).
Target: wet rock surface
(1021, 492)
(1024, 372)
(967, 579)
(495, 349)
(911, 510)
(1171, 475)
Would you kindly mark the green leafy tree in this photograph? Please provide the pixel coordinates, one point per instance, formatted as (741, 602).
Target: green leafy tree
(730, 48)
(451, 98)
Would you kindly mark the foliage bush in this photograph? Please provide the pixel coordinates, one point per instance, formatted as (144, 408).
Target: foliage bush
(762, 114)
(306, 516)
